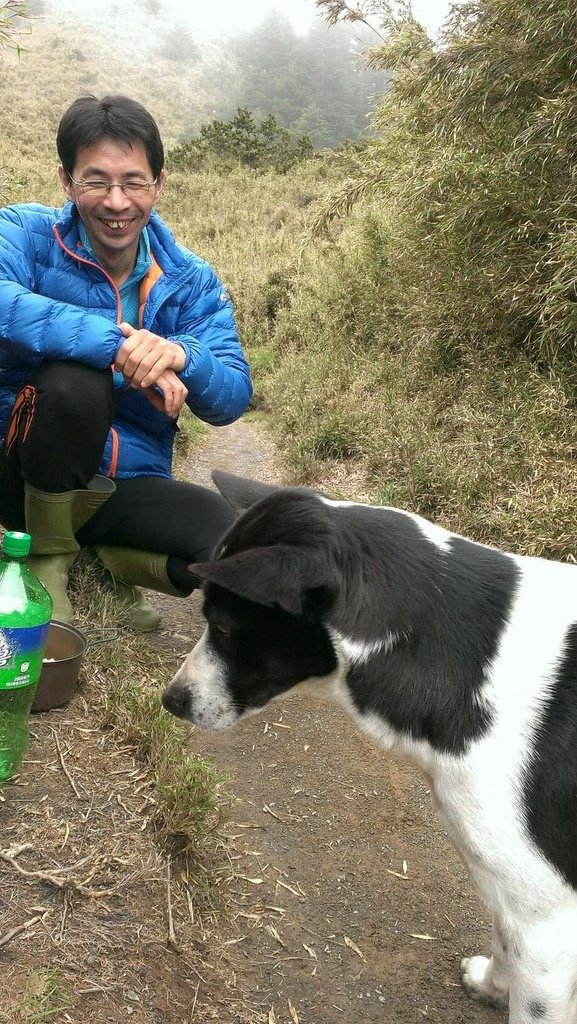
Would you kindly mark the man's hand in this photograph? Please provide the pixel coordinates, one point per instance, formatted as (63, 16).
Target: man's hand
(148, 363)
(144, 356)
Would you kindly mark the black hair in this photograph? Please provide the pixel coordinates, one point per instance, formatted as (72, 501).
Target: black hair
(88, 120)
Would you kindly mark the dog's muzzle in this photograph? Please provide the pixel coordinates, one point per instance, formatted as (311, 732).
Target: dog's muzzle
(198, 693)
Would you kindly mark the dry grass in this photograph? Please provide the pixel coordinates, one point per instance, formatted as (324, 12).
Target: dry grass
(483, 442)
(93, 913)
(116, 860)
(187, 800)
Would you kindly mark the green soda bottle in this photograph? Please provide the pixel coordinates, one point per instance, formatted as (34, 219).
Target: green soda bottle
(25, 613)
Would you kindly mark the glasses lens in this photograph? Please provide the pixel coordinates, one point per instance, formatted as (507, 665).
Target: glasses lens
(101, 188)
(135, 188)
(94, 188)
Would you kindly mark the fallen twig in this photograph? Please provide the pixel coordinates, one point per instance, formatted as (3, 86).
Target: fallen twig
(67, 883)
(5, 939)
(267, 810)
(194, 1003)
(63, 919)
(64, 768)
(171, 932)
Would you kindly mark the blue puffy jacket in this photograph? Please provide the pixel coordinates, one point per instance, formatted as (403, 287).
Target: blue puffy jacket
(55, 304)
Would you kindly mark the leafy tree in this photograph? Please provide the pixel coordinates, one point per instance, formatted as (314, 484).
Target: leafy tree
(276, 70)
(313, 120)
(342, 84)
(179, 46)
(268, 62)
(242, 141)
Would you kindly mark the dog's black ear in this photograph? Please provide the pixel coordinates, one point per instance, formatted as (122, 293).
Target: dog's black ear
(277, 576)
(240, 492)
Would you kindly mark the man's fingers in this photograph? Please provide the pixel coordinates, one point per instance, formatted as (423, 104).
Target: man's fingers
(150, 364)
(174, 392)
(145, 366)
(144, 357)
(157, 400)
(171, 397)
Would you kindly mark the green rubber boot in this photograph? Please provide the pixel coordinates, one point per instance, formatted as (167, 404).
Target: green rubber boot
(52, 521)
(130, 569)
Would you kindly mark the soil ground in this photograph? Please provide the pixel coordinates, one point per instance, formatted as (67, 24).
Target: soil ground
(347, 904)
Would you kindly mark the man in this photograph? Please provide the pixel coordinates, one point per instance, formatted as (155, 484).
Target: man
(107, 327)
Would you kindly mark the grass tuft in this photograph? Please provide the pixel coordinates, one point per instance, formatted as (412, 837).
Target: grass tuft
(193, 804)
(45, 997)
(126, 674)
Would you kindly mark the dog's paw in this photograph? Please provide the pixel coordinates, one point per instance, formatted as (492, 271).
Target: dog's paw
(477, 980)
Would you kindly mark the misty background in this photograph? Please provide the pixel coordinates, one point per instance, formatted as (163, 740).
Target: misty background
(238, 15)
(194, 63)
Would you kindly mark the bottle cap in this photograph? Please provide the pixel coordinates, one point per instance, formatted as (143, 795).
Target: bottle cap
(16, 544)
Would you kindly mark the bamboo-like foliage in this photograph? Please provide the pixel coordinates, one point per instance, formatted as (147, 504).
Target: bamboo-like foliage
(12, 13)
(475, 163)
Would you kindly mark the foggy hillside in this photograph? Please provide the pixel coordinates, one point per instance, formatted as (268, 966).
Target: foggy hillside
(314, 82)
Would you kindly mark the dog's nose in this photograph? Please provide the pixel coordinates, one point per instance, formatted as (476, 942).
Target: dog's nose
(176, 699)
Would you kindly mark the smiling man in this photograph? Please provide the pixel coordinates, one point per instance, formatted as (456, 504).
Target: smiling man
(107, 328)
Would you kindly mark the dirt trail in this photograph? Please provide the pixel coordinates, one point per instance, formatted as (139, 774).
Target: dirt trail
(328, 929)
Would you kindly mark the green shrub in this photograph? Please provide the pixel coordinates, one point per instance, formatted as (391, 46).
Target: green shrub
(474, 166)
(241, 141)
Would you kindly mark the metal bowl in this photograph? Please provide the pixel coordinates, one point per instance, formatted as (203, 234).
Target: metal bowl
(65, 647)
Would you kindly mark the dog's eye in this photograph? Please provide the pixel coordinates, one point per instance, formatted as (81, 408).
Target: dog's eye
(222, 628)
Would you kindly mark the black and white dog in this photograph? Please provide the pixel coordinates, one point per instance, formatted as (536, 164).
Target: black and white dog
(453, 653)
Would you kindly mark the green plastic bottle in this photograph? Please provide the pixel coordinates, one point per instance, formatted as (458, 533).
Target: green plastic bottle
(25, 613)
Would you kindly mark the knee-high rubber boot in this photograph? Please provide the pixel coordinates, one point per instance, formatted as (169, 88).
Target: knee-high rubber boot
(52, 520)
(130, 569)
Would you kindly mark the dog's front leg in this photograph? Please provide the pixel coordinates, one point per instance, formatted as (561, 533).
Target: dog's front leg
(487, 980)
(541, 961)
(543, 987)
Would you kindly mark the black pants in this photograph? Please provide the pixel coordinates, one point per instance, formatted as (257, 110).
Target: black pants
(55, 441)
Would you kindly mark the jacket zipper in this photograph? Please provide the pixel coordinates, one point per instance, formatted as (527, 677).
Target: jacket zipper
(96, 266)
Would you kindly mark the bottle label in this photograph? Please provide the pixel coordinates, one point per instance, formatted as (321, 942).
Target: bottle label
(21, 654)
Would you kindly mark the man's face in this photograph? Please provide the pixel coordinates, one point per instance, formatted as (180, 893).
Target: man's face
(113, 222)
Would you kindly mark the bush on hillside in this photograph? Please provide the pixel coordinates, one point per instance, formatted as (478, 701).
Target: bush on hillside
(242, 142)
(474, 168)
(179, 46)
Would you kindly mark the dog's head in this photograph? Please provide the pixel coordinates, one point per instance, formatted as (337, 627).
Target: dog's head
(266, 591)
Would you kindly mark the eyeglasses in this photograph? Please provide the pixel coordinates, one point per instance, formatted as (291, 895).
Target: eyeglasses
(102, 188)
